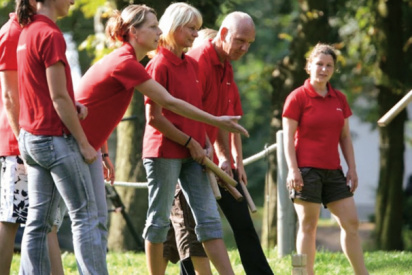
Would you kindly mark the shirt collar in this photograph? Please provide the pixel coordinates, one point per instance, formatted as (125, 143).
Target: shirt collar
(171, 57)
(312, 93)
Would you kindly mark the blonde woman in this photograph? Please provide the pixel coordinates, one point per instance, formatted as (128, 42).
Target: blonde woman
(174, 148)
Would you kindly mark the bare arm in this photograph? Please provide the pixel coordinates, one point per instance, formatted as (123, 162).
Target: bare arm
(108, 167)
(346, 145)
(237, 153)
(156, 119)
(158, 94)
(65, 109)
(10, 97)
(294, 179)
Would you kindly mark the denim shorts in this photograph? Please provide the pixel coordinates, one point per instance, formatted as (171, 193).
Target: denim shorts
(322, 186)
(162, 176)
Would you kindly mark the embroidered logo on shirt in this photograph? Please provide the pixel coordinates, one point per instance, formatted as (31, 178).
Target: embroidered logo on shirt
(21, 47)
(339, 109)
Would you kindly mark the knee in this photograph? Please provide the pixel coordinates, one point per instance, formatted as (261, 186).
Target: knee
(350, 226)
(308, 227)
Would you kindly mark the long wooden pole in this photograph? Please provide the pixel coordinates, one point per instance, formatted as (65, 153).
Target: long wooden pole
(395, 110)
(219, 172)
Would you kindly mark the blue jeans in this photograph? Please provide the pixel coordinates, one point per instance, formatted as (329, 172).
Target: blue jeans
(162, 176)
(99, 190)
(56, 170)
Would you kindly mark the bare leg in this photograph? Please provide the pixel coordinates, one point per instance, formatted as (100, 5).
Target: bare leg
(308, 215)
(345, 213)
(217, 253)
(8, 233)
(55, 253)
(201, 265)
(156, 264)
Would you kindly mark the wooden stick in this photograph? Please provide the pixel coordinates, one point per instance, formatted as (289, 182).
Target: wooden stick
(248, 197)
(395, 110)
(213, 183)
(219, 172)
(232, 190)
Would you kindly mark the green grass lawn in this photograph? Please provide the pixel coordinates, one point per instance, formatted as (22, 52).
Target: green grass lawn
(379, 263)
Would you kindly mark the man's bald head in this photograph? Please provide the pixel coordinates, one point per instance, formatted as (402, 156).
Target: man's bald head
(235, 35)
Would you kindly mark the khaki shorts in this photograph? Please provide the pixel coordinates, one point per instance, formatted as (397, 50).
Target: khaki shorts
(181, 240)
(322, 186)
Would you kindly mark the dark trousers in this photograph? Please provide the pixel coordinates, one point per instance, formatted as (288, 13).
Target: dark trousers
(237, 213)
(251, 254)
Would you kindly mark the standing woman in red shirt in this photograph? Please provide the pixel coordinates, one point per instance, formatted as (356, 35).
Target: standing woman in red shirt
(107, 88)
(174, 147)
(52, 142)
(315, 123)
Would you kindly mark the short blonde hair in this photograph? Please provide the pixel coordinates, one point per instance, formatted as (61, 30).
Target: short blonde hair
(177, 15)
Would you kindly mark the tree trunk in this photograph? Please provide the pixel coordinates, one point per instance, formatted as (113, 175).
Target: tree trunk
(129, 146)
(389, 200)
(129, 168)
(290, 74)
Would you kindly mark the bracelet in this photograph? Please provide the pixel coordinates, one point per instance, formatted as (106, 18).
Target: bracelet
(188, 140)
(104, 155)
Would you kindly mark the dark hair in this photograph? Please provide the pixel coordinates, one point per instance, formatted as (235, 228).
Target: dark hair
(321, 48)
(119, 24)
(25, 11)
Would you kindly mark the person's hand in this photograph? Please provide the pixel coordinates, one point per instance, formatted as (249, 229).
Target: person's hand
(209, 151)
(108, 169)
(88, 152)
(230, 123)
(226, 167)
(242, 174)
(196, 151)
(294, 180)
(82, 110)
(352, 179)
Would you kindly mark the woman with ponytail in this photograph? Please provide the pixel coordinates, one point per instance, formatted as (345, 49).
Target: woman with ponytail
(107, 88)
(13, 185)
(53, 143)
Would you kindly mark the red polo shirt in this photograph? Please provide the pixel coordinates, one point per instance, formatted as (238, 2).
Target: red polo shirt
(9, 36)
(41, 45)
(107, 89)
(179, 77)
(321, 120)
(217, 81)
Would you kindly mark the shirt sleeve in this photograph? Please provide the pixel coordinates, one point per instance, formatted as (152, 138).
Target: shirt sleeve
(292, 107)
(53, 49)
(130, 73)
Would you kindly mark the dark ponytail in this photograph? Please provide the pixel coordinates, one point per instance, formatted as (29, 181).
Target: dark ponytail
(24, 11)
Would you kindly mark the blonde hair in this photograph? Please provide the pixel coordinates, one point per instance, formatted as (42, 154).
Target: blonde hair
(204, 34)
(320, 48)
(177, 15)
(119, 24)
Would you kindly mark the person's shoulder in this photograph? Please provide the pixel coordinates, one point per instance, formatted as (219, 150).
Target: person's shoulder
(298, 92)
(198, 52)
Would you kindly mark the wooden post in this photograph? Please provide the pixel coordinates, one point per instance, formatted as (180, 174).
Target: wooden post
(286, 223)
(299, 264)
